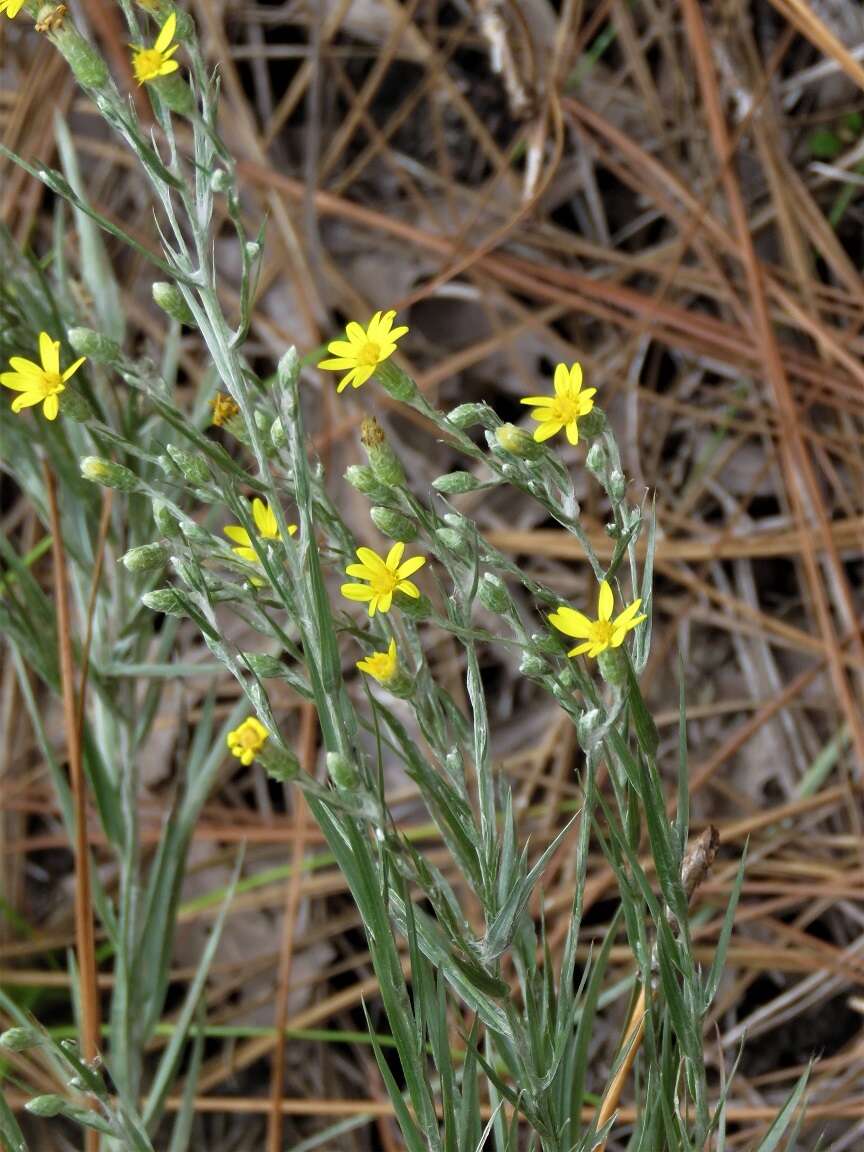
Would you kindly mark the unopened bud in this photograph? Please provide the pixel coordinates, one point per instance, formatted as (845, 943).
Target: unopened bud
(517, 442)
(169, 298)
(46, 1106)
(86, 63)
(592, 423)
(597, 460)
(588, 727)
(20, 1039)
(176, 93)
(264, 665)
(361, 477)
(342, 771)
(531, 665)
(194, 468)
(383, 461)
(469, 415)
(109, 474)
(164, 519)
(280, 764)
(74, 405)
(166, 600)
(494, 595)
(220, 181)
(393, 524)
(617, 485)
(146, 558)
(278, 438)
(452, 540)
(455, 483)
(612, 663)
(95, 345)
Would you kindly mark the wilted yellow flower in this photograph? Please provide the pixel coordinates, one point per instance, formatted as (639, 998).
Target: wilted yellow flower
(364, 349)
(52, 21)
(602, 633)
(563, 410)
(247, 741)
(268, 529)
(384, 576)
(151, 63)
(224, 409)
(11, 7)
(381, 666)
(39, 384)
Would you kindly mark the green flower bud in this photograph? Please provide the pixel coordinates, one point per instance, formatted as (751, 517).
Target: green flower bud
(194, 468)
(393, 524)
(264, 665)
(413, 608)
(617, 485)
(86, 63)
(165, 520)
(593, 423)
(454, 483)
(383, 460)
(395, 381)
(252, 249)
(469, 415)
(361, 477)
(546, 642)
(46, 1106)
(597, 460)
(279, 763)
(145, 558)
(176, 93)
(220, 181)
(588, 727)
(452, 540)
(109, 474)
(517, 442)
(613, 666)
(95, 346)
(166, 600)
(494, 595)
(170, 299)
(278, 436)
(531, 665)
(342, 771)
(20, 1039)
(288, 368)
(74, 405)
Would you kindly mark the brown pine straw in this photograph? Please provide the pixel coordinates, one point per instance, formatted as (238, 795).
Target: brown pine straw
(695, 867)
(84, 939)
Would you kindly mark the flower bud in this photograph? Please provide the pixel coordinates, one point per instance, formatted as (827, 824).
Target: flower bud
(517, 442)
(597, 460)
(455, 483)
(74, 405)
(176, 93)
(288, 368)
(588, 727)
(531, 665)
(452, 540)
(20, 1039)
(612, 663)
(393, 524)
(592, 423)
(361, 477)
(220, 181)
(383, 460)
(280, 764)
(252, 249)
(194, 468)
(264, 665)
(46, 1106)
(342, 771)
(395, 381)
(170, 299)
(86, 63)
(469, 415)
(109, 474)
(494, 595)
(166, 600)
(95, 345)
(278, 436)
(146, 558)
(164, 519)
(617, 485)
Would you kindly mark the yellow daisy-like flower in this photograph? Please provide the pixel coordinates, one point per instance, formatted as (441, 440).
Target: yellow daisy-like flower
(39, 384)
(364, 349)
(381, 666)
(602, 633)
(247, 741)
(384, 576)
(151, 63)
(11, 7)
(565, 409)
(268, 529)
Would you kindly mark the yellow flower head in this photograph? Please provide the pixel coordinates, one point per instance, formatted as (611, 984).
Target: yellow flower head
(151, 63)
(11, 7)
(268, 529)
(364, 349)
(384, 576)
(39, 384)
(602, 633)
(224, 409)
(381, 666)
(247, 741)
(563, 410)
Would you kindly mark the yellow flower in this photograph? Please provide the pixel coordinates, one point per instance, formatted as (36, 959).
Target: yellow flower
(151, 63)
(39, 384)
(602, 633)
(381, 666)
(247, 741)
(364, 349)
(565, 408)
(268, 529)
(11, 7)
(384, 578)
(53, 20)
(224, 409)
